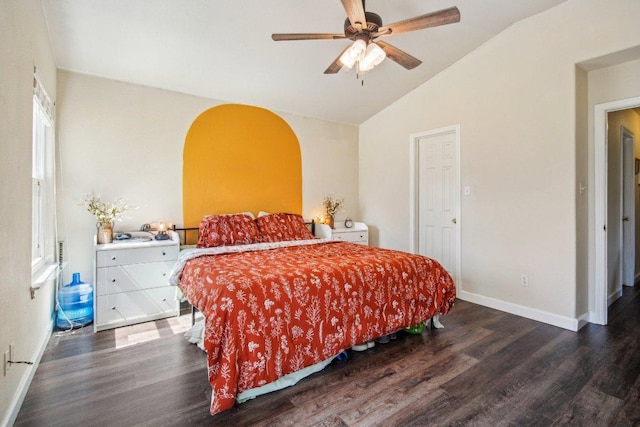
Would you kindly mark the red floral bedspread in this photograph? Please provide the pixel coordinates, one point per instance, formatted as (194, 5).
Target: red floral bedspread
(272, 312)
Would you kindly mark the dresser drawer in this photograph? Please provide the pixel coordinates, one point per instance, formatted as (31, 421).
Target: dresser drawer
(352, 236)
(133, 277)
(125, 256)
(136, 305)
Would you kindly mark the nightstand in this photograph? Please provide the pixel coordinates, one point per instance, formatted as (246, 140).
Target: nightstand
(131, 281)
(359, 233)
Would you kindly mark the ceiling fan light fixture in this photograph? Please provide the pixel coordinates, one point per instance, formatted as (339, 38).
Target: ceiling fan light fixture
(353, 54)
(364, 28)
(373, 56)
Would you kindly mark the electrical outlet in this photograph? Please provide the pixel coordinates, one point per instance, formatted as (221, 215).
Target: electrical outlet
(5, 365)
(524, 280)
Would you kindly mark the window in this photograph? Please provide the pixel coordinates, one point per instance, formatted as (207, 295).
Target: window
(43, 184)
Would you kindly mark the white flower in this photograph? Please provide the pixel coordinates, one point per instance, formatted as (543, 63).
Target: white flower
(332, 206)
(105, 212)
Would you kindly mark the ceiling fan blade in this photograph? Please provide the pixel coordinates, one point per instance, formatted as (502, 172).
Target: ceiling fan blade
(355, 12)
(401, 57)
(309, 36)
(336, 65)
(434, 19)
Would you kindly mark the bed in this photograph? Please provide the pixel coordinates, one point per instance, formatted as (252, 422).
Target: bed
(279, 304)
(276, 300)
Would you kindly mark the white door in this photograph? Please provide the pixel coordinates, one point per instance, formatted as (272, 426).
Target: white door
(437, 198)
(628, 186)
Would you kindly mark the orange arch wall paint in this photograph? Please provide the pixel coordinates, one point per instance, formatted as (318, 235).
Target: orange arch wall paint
(240, 158)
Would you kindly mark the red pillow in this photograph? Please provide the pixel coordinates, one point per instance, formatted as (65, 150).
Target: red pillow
(227, 230)
(282, 227)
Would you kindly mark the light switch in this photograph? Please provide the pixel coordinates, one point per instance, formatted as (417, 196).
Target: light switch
(467, 190)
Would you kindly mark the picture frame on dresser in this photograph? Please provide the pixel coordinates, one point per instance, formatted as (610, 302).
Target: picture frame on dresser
(131, 281)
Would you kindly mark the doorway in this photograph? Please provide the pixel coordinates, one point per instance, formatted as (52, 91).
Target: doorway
(607, 225)
(435, 197)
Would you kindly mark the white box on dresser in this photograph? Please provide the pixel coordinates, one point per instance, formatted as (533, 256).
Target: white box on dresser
(359, 233)
(131, 282)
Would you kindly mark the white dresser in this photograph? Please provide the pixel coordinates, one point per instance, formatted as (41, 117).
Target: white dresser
(131, 282)
(359, 233)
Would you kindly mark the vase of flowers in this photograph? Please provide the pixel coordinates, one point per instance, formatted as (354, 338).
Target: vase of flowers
(331, 207)
(105, 213)
(104, 232)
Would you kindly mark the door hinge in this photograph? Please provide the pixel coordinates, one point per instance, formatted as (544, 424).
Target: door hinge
(605, 227)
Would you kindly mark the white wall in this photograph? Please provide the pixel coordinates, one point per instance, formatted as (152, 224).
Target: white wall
(125, 140)
(514, 98)
(24, 322)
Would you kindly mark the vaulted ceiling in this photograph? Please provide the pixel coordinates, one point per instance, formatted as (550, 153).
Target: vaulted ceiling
(223, 49)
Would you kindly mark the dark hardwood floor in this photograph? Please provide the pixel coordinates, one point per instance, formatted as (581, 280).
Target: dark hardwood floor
(486, 368)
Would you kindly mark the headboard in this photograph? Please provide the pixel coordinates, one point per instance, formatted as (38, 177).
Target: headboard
(240, 158)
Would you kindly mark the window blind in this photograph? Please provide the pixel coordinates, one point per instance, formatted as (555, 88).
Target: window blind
(40, 94)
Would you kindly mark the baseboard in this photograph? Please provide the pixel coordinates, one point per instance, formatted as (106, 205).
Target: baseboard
(584, 319)
(27, 377)
(519, 310)
(613, 296)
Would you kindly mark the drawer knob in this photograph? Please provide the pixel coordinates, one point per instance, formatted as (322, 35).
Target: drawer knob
(164, 299)
(113, 258)
(164, 274)
(113, 308)
(163, 253)
(113, 280)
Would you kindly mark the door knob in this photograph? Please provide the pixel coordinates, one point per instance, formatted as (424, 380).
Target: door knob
(454, 221)
(625, 218)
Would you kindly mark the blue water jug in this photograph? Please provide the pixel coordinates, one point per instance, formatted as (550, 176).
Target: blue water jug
(75, 304)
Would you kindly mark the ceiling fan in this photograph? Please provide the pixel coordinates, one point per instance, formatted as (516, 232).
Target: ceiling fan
(364, 28)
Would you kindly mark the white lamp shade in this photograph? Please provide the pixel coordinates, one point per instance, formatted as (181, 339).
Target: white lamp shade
(353, 54)
(373, 56)
(347, 60)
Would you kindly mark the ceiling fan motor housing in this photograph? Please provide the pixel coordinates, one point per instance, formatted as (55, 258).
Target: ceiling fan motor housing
(374, 21)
